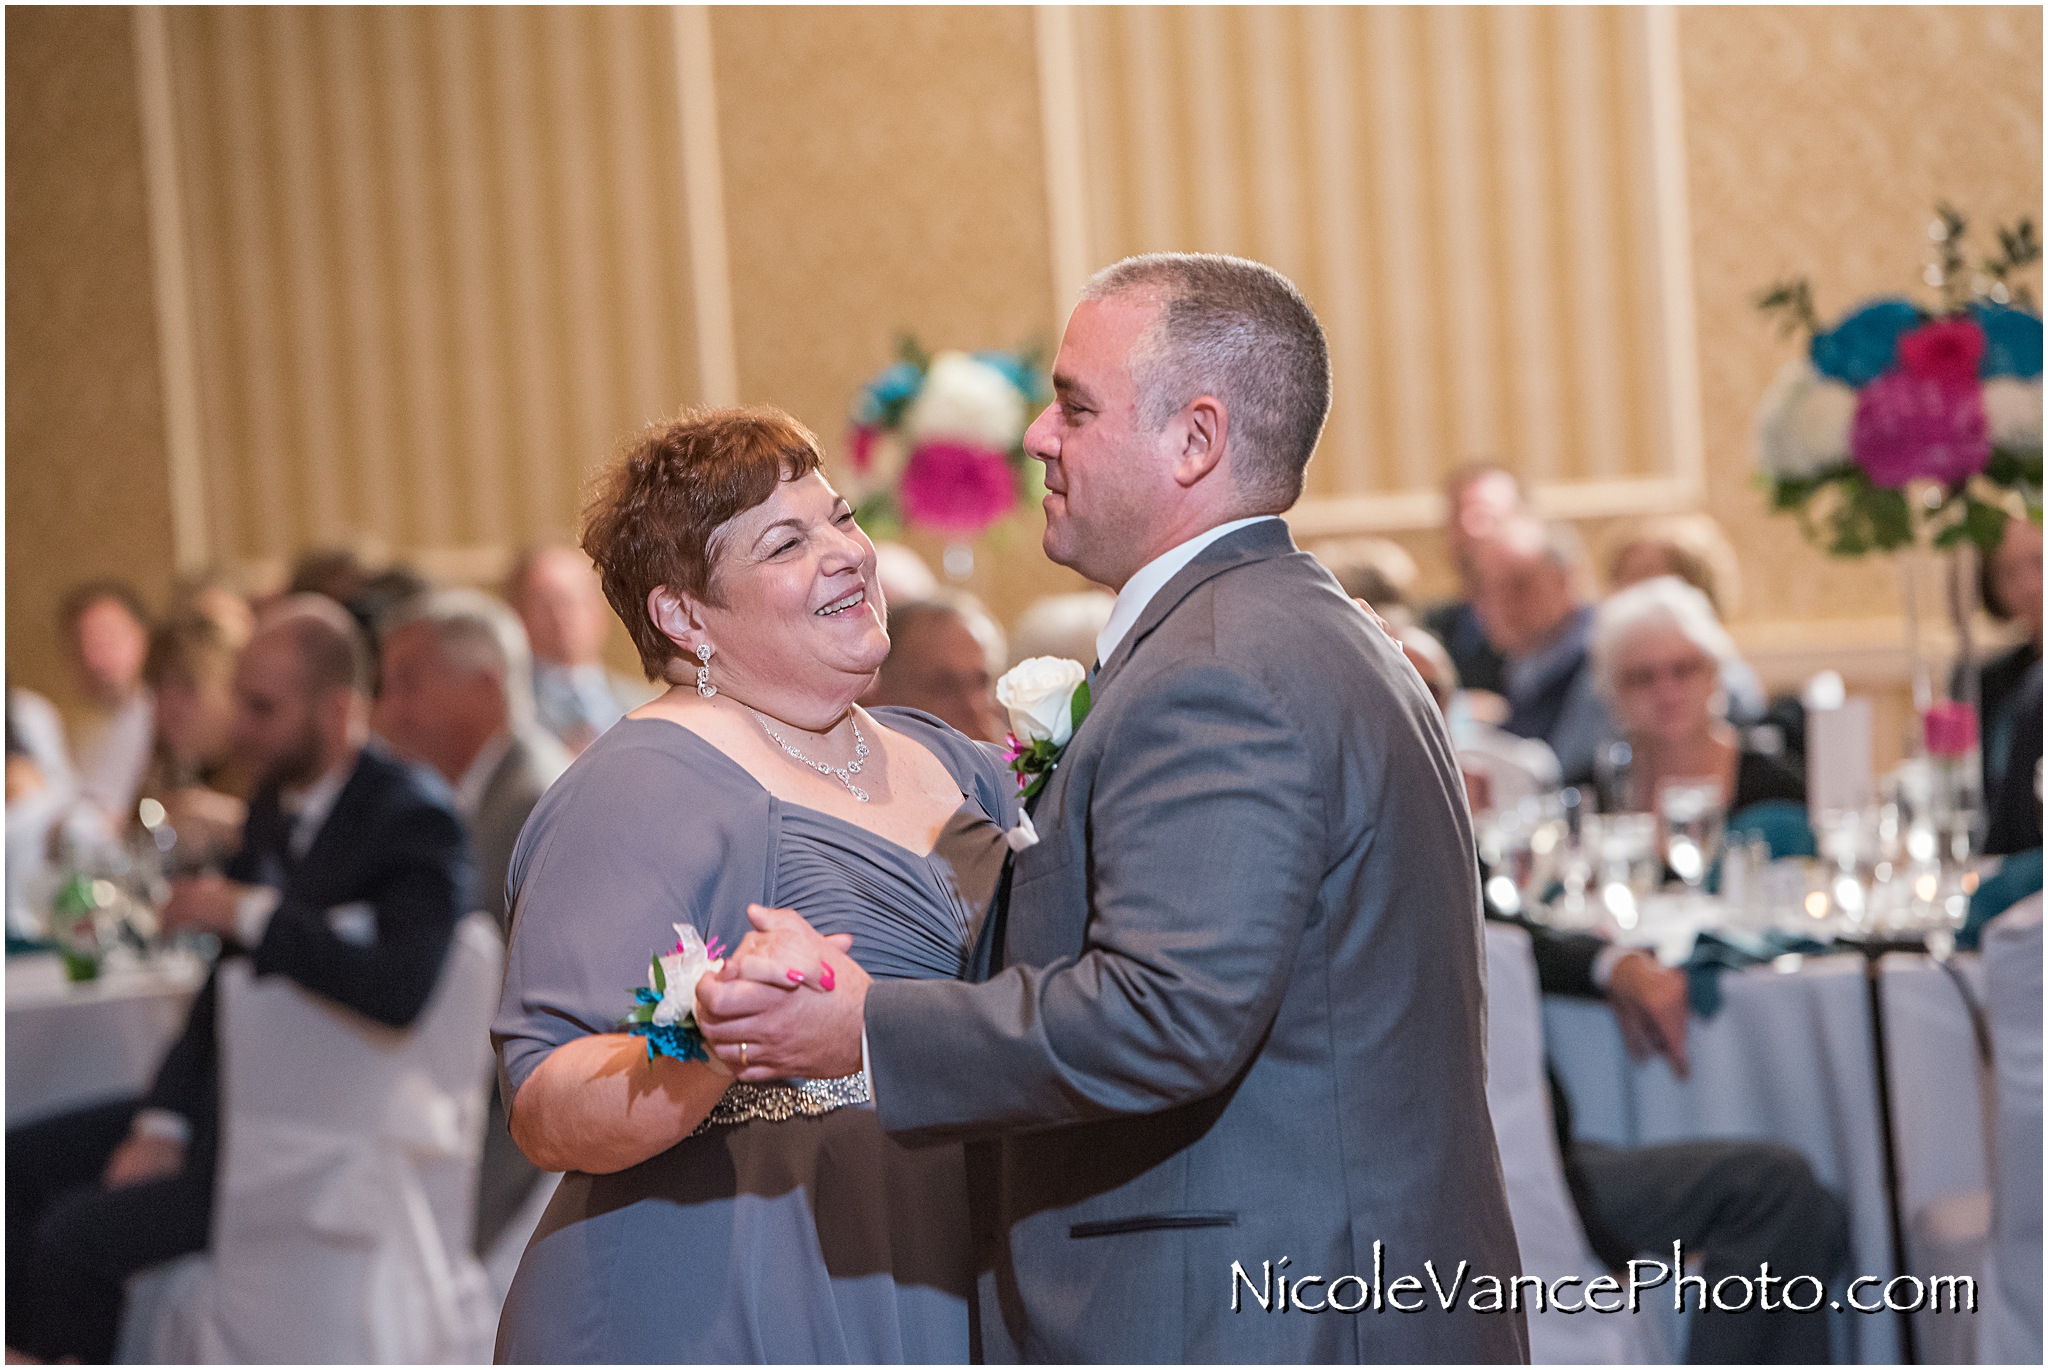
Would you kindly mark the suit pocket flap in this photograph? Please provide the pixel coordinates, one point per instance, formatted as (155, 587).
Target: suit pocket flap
(1154, 1222)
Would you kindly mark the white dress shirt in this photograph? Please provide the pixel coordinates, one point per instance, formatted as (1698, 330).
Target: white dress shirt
(1151, 579)
(469, 791)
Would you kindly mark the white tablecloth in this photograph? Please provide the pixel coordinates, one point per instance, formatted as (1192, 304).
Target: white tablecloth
(73, 1045)
(1788, 1058)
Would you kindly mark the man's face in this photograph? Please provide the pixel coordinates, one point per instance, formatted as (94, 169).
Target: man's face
(276, 728)
(430, 710)
(111, 646)
(1105, 477)
(1478, 509)
(563, 608)
(938, 666)
(1522, 596)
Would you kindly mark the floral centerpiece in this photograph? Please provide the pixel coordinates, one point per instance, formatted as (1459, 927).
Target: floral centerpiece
(1916, 426)
(937, 442)
(1907, 420)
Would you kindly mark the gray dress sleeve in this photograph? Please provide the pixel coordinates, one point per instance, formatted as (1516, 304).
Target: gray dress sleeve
(650, 827)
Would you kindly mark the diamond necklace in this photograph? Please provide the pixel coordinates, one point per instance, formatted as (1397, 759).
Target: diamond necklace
(841, 773)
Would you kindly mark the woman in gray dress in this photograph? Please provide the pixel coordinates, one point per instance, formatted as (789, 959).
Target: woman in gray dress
(699, 1219)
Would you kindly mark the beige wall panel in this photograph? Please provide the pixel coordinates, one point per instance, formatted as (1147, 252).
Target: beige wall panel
(440, 267)
(882, 174)
(1460, 192)
(87, 486)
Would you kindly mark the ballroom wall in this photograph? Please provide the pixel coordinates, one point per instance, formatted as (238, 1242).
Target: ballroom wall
(405, 276)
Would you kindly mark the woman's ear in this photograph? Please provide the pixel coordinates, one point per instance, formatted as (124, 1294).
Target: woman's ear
(677, 617)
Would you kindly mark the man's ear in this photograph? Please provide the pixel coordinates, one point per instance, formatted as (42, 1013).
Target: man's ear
(1204, 431)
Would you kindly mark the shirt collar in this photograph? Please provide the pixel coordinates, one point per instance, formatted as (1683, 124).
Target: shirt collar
(1151, 578)
(308, 808)
(469, 791)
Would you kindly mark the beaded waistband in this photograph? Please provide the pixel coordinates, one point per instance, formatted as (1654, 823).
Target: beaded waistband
(778, 1103)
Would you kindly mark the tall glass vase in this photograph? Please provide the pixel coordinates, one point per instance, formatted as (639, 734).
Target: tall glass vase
(1944, 783)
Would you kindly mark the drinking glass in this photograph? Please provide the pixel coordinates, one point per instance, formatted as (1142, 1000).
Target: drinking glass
(1693, 819)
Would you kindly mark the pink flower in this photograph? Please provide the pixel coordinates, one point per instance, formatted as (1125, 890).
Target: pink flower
(1910, 427)
(862, 439)
(1947, 350)
(957, 489)
(1951, 729)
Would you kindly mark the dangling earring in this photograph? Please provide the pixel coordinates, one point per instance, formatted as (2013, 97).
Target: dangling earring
(704, 685)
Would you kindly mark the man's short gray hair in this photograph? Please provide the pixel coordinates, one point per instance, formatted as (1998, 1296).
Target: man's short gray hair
(1240, 331)
(1662, 602)
(474, 633)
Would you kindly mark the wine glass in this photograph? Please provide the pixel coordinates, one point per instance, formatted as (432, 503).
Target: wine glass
(1693, 820)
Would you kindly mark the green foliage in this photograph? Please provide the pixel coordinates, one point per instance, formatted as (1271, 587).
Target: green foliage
(1792, 301)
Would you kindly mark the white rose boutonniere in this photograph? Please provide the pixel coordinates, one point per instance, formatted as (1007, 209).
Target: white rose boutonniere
(1047, 697)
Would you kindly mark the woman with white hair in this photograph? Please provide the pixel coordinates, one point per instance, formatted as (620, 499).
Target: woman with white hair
(1659, 655)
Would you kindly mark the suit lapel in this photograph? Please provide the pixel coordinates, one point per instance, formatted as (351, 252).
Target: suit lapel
(355, 794)
(1262, 541)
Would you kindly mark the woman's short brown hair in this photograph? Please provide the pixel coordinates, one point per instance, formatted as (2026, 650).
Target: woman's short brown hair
(656, 509)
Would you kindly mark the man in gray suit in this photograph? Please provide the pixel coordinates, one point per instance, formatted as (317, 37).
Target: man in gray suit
(457, 697)
(1228, 1052)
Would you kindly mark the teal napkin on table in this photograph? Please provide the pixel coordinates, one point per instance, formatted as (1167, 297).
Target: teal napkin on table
(1714, 952)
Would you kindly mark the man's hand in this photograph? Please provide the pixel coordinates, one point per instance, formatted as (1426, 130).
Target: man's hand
(141, 1159)
(203, 903)
(1650, 1004)
(750, 1003)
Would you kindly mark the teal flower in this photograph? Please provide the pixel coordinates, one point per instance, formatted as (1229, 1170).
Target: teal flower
(2012, 340)
(1861, 347)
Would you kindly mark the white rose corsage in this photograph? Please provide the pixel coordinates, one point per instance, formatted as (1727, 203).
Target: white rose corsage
(1047, 697)
(665, 1008)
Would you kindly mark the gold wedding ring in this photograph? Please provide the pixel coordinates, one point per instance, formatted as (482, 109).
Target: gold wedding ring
(743, 1055)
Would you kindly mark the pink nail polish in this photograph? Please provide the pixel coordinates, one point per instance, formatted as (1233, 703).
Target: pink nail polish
(796, 977)
(825, 977)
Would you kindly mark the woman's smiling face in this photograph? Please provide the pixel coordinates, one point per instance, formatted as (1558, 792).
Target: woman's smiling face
(802, 606)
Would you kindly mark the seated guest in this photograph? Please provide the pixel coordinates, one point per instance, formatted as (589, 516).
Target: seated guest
(1479, 498)
(210, 595)
(106, 630)
(555, 592)
(350, 879)
(1738, 1203)
(1376, 570)
(1657, 656)
(944, 656)
(1526, 593)
(194, 775)
(1061, 626)
(457, 698)
(1691, 547)
(2010, 580)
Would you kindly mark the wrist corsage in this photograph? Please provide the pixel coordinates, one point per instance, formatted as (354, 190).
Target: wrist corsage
(1047, 697)
(665, 1008)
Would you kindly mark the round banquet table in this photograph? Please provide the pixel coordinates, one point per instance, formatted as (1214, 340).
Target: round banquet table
(1789, 1058)
(71, 1045)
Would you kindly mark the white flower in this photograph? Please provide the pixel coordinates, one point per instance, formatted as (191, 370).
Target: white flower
(1803, 422)
(2012, 408)
(680, 971)
(1039, 694)
(967, 400)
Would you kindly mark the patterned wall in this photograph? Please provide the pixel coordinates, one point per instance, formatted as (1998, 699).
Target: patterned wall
(438, 261)
(1469, 198)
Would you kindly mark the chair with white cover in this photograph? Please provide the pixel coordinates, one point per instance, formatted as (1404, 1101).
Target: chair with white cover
(343, 1212)
(1548, 1233)
(2010, 1326)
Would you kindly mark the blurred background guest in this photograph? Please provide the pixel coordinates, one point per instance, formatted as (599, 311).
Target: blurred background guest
(194, 773)
(1062, 626)
(1693, 548)
(556, 594)
(903, 574)
(336, 572)
(944, 657)
(350, 879)
(2010, 694)
(106, 629)
(1658, 654)
(1376, 570)
(1479, 498)
(457, 698)
(1526, 592)
(211, 595)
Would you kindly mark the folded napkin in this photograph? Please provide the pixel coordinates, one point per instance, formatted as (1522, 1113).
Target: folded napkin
(1714, 952)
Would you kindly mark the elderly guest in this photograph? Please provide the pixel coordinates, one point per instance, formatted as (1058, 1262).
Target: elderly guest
(765, 1222)
(1527, 593)
(558, 601)
(1658, 655)
(1691, 547)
